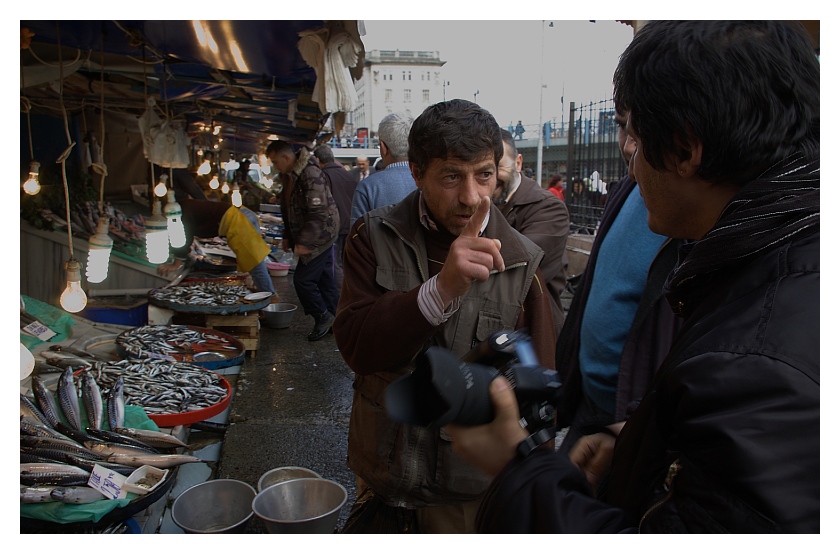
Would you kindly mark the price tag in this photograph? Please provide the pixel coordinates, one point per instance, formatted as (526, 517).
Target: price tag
(108, 482)
(39, 330)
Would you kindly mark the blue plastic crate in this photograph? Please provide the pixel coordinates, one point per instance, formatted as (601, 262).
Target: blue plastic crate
(101, 310)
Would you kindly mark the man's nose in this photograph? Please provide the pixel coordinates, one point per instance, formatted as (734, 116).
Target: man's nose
(469, 191)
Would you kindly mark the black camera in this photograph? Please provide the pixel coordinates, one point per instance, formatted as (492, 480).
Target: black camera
(443, 389)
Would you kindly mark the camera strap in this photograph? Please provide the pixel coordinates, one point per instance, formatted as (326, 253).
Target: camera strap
(535, 440)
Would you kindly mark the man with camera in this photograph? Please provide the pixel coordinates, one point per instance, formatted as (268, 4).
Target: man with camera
(725, 116)
(442, 268)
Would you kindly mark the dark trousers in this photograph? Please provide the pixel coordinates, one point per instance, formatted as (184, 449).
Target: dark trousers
(338, 265)
(315, 285)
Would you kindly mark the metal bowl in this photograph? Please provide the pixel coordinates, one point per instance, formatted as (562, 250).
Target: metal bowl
(308, 505)
(279, 315)
(216, 506)
(280, 474)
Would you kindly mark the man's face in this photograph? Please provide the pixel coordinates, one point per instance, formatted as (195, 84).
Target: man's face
(509, 167)
(282, 162)
(453, 189)
(625, 144)
(363, 164)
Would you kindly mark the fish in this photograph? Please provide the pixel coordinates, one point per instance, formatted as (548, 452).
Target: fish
(68, 399)
(36, 495)
(87, 464)
(106, 449)
(56, 444)
(73, 434)
(33, 427)
(92, 399)
(77, 495)
(46, 402)
(42, 367)
(40, 474)
(70, 350)
(155, 439)
(29, 409)
(160, 461)
(116, 405)
(65, 362)
(119, 438)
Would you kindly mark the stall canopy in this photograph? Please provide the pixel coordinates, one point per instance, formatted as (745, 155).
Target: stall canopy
(248, 78)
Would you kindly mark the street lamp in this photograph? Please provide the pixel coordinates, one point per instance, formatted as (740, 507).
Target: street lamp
(540, 138)
(444, 90)
(475, 97)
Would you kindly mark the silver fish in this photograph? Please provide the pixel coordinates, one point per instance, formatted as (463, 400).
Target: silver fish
(76, 495)
(160, 461)
(108, 448)
(72, 351)
(41, 474)
(35, 428)
(155, 439)
(46, 402)
(87, 465)
(116, 405)
(30, 410)
(36, 495)
(68, 399)
(92, 399)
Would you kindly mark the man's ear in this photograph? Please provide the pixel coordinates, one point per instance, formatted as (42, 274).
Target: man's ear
(415, 172)
(518, 163)
(383, 149)
(689, 166)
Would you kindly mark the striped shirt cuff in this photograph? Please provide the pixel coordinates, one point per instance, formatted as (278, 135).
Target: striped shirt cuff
(431, 305)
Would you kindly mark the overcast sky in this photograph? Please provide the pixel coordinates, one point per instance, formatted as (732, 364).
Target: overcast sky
(503, 60)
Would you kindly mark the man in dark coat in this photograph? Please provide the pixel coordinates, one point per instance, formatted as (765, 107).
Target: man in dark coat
(342, 185)
(362, 169)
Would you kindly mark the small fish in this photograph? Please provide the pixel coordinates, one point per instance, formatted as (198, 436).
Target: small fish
(116, 405)
(46, 401)
(68, 399)
(92, 399)
(76, 495)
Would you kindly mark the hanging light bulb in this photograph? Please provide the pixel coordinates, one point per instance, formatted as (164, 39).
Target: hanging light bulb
(236, 196)
(73, 299)
(172, 212)
(27, 362)
(31, 185)
(160, 188)
(214, 182)
(232, 165)
(200, 152)
(225, 188)
(204, 168)
(99, 252)
(157, 236)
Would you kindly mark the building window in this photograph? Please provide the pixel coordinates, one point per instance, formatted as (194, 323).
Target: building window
(426, 95)
(407, 95)
(403, 75)
(409, 75)
(388, 94)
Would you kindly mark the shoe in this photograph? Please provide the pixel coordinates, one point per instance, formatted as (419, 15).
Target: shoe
(323, 325)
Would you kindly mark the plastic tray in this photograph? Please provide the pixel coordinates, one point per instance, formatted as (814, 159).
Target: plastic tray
(231, 309)
(187, 418)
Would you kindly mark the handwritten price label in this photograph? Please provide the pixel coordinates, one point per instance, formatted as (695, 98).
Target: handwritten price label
(38, 329)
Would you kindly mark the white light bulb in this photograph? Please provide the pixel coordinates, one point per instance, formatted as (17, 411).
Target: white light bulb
(99, 253)
(31, 185)
(73, 299)
(27, 362)
(232, 165)
(204, 168)
(157, 236)
(172, 212)
(214, 182)
(236, 197)
(225, 188)
(160, 188)
(200, 152)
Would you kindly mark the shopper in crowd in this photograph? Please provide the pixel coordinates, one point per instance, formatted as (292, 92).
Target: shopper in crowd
(440, 268)
(362, 170)
(727, 437)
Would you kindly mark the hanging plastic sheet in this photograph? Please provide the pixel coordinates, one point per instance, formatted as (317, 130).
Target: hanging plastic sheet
(165, 141)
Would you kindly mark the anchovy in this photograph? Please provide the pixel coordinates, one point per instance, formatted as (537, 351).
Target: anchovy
(30, 410)
(46, 402)
(116, 405)
(92, 399)
(106, 449)
(77, 495)
(36, 495)
(155, 439)
(52, 474)
(160, 461)
(68, 399)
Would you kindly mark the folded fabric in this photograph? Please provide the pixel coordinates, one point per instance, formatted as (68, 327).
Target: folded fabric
(245, 241)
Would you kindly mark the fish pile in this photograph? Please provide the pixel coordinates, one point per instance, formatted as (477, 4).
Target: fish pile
(57, 453)
(170, 342)
(202, 294)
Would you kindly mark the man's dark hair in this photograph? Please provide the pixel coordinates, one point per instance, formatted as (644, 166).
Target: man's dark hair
(749, 91)
(279, 147)
(324, 154)
(453, 129)
(508, 139)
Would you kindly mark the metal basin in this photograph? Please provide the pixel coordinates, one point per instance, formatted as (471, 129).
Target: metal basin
(279, 316)
(280, 474)
(217, 506)
(307, 505)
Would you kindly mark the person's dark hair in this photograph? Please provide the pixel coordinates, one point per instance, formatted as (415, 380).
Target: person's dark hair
(554, 180)
(508, 139)
(279, 147)
(453, 129)
(749, 91)
(324, 153)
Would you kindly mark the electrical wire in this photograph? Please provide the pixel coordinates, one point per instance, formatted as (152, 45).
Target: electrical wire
(100, 166)
(63, 158)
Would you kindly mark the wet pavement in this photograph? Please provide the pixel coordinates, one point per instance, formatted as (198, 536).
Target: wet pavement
(291, 407)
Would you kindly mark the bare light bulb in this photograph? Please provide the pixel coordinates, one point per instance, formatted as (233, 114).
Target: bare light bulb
(172, 212)
(236, 196)
(73, 299)
(225, 188)
(214, 182)
(27, 362)
(99, 253)
(160, 188)
(204, 168)
(232, 165)
(157, 236)
(31, 185)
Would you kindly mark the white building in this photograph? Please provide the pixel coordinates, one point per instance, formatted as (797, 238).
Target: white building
(396, 81)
